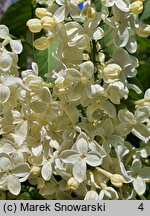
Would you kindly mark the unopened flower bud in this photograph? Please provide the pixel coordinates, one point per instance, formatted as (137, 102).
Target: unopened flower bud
(143, 30)
(34, 25)
(41, 43)
(136, 7)
(33, 82)
(73, 183)
(91, 195)
(48, 23)
(35, 170)
(117, 180)
(112, 71)
(41, 12)
(89, 12)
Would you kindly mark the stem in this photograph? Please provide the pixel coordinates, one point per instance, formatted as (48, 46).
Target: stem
(5, 42)
(104, 172)
(142, 197)
(92, 180)
(129, 157)
(94, 50)
(142, 101)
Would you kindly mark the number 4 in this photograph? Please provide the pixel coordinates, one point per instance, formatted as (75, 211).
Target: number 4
(141, 207)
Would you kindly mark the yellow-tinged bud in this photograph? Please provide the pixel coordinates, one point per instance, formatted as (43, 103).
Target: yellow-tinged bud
(136, 7)
(35, 170)
(112, 71)
(73, 184)
(89, 12)
(41, 12)
(34, 25)
(48, 23)
(41, 43)
(143, 30)
(33, 82)
(117, 180)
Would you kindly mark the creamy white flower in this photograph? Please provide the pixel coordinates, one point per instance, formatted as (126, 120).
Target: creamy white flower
(100, 105)
(127, 62)
(15, 45)
(12, 175)
(134, 122)
(70, 109)
(81, 80)
(116, 91)
(81, 36)
(68, 56)
(80, 157)
(138, 175)
(66, 7)
(122, 5)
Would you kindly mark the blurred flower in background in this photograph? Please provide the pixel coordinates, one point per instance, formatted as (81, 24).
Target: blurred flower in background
(4, 4)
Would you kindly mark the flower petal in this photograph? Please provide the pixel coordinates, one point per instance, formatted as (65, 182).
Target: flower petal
(141, 131)
(21, 170)
(5, 61)
(60, 14)
(87, 69)
(93, 159)
(13, 184)
(139, 185)
(98, 34)
(75, 92)
(79, 171)
(46, 171)
(4, 93)
(4, 32)
(72, 75)
(5, 163)
(16, 46)
(82, 145)
(38, 106)
(136, 165)
(69, 156)
(145, 172)
(125, 116)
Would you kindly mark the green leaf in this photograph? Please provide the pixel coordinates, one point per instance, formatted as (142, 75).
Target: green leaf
(143, 54)
(45, 60)
(106, 42)
(146, 12)
(132, 94)
(16, 17)
(144, 75)
(28, 51)
(98, 5)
